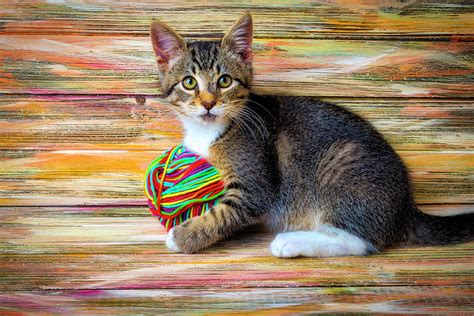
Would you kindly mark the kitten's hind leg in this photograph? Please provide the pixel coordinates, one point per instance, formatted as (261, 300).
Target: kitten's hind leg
(327, 241)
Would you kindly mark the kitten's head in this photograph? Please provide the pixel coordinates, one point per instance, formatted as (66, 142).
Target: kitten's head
(205, 81)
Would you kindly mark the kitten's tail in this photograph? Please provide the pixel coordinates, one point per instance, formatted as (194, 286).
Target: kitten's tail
(439, 230)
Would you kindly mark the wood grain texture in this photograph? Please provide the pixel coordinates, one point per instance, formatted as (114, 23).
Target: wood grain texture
(95, 177)
(273, 19)
(58, 259)
(81, 117)
(255, 301)
(148, 123)
(94, 150)
(63, 64)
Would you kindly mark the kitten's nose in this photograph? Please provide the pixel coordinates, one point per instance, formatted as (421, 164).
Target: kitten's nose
(207, 100)
(208, 105)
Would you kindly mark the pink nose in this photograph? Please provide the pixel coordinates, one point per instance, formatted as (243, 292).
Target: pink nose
(208, 105)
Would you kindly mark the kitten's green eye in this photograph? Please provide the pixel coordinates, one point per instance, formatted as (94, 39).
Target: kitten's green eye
(189, 83)
(224, 81)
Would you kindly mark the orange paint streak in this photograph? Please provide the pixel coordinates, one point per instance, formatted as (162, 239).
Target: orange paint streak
(58, 164)
(424, 111)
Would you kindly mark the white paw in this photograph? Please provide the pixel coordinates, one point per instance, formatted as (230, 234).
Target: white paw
(170, 242)
(289, 245)
(329, 242)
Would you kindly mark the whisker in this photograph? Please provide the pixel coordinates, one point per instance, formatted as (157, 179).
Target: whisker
(249, 118)
(260, 105)
(241, 124)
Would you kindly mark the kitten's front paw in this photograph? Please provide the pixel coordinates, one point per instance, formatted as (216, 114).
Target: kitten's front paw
(187, 237)
(170, 243)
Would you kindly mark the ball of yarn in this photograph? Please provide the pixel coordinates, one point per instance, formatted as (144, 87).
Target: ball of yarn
(181, 184)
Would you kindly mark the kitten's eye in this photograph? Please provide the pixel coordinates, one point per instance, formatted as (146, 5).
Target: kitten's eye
(224, 81)
(189, 83)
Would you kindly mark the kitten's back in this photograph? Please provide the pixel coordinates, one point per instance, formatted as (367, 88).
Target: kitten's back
(358, 181)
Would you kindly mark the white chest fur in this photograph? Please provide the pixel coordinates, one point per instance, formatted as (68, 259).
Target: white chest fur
(200, 136)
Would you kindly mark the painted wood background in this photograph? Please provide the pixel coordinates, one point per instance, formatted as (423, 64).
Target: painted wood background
(81, 116)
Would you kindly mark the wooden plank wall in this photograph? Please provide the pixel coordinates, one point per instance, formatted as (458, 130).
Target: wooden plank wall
(81, 113)
(81, 116)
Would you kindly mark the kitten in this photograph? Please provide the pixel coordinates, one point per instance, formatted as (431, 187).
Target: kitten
(318, 175)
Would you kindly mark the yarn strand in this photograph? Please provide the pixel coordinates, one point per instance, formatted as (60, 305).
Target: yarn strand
(180, 184)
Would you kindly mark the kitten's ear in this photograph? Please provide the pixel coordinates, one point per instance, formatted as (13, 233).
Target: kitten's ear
(239, 38)
(167, 44)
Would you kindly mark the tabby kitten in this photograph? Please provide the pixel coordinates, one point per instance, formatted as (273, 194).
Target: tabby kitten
(318, 175)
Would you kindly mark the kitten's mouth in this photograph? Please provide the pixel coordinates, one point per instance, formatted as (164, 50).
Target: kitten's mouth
(208, 117)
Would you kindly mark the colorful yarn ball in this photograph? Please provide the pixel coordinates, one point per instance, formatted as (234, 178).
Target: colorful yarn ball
(180, 184)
